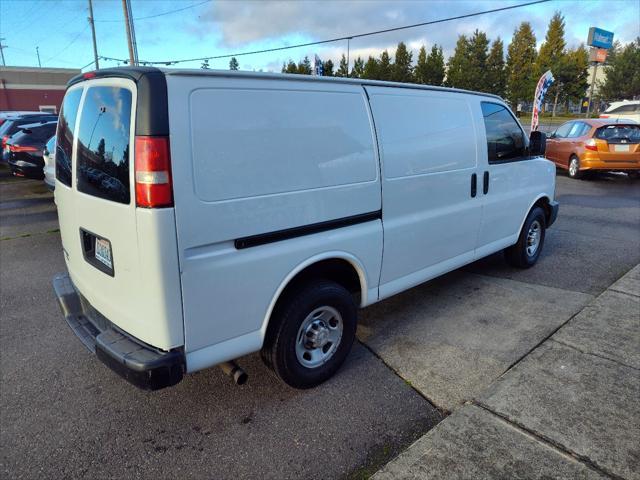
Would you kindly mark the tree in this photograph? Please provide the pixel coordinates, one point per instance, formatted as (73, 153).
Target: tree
(521, 68)
(421, 71)
(327, 68)
(370, 69)
(304, 67)
(435, 66)
(205, 64)
(291, 67)
(496, 73)
(401, 70)
(458, 67)
(623, 73)
(343, 67)
(571, 75)
(101, 149)
(358, 68)
(384, 67)
(477, 53)
(552, 55)
(233, 64)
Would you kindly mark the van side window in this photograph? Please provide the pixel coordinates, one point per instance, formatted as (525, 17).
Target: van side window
(505, 139)
(66, 126)
(103, 144)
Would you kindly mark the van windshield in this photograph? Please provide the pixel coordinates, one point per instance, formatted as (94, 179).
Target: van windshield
(103, 143)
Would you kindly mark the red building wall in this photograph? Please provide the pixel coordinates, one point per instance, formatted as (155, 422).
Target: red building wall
(21, 99)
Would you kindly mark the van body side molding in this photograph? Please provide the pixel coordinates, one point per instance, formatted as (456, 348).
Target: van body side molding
(288, 233)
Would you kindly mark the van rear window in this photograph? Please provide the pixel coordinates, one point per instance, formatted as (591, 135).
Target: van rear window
(103, 143)
(66, 127)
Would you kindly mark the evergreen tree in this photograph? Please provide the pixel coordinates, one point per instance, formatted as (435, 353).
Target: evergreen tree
(421, 71)
(623, 73)
(571, 75)
(401, 70)
(290, 68)
(458, 67)
(435, 67)
(496, 73)
(551, 55)
(370, 69)
(384, 67)
(327, 68)
(304, 67)
(521, 68)
(233, 64)
(343, 67)
(101, 149)
(477, 77)
(358, 68)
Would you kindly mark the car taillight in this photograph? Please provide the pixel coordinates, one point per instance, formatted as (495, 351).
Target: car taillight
(153, 172)
(604, 116)
(19, 148)
(4, 141)
(591, 145)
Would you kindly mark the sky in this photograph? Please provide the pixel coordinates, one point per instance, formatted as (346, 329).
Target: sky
(60, 30)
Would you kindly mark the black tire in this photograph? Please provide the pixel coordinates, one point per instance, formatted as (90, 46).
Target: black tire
(575, 174)
(518, 255)
(279, 350)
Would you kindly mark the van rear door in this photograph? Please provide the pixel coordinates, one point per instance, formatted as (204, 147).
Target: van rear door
(121, 258)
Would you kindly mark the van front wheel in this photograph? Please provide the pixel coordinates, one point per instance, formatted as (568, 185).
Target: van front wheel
(311, 334)
(525, 252)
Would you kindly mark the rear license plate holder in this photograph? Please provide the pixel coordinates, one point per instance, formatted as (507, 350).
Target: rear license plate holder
(97, 251)
(621, 148)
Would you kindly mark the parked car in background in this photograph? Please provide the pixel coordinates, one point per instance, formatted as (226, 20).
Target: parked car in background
(13, 121)
(49, 156)
(623, 111)
(581, 146)
(26, 148)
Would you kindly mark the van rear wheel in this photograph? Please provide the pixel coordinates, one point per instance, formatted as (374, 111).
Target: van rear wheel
(311, 334)
(525, 252)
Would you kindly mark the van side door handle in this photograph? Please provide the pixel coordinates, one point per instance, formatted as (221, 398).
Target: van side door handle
(485, 183)
(474, 185)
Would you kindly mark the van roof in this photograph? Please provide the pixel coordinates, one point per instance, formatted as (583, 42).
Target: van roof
(137, 72)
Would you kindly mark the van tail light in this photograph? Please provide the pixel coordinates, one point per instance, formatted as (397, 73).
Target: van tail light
(18, 148)
(153, 172)
(591, 145)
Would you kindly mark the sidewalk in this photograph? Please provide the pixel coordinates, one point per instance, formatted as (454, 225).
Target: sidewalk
(569, 409)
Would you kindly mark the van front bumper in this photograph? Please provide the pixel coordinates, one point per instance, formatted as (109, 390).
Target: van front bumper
(140, 364)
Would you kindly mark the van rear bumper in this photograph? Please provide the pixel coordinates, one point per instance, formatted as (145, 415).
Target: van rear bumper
(140, 364)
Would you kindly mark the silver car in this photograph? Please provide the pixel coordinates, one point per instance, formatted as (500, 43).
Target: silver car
(49, 155)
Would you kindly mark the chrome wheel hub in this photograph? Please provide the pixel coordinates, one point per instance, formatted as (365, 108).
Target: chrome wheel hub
(319, 336)
(533, 238)
(573, 167)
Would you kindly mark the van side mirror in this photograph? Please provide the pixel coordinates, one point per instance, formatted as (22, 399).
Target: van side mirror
(537, 143)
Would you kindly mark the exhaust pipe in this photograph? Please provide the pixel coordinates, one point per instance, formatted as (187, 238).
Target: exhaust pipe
(232, 369)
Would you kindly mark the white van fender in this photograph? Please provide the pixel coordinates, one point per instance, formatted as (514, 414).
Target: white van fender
(542, 195)
(331, 255)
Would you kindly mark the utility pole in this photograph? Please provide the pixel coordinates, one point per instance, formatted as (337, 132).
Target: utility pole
(93, 33)
(2, 51)
(125, 8)
(593, 82)
(38, 53)
(133, 33)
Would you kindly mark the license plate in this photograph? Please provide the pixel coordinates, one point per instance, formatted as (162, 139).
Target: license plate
(621, 148)
(103, 252)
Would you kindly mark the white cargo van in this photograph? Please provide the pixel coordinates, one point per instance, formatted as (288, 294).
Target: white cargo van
(206, 215)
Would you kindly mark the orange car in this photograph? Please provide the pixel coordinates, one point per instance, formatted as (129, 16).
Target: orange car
(581, 146)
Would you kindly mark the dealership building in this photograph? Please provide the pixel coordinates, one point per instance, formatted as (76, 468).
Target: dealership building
(34, 89)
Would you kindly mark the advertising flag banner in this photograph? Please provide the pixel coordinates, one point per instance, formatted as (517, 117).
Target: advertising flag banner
(541, 89)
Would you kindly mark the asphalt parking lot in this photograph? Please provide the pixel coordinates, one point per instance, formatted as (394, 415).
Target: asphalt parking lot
(421, 355)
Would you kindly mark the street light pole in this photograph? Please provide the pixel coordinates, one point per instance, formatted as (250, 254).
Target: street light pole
(93, 33)
(593, 82)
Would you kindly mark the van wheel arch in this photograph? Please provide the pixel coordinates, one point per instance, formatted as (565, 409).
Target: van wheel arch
(544, 203)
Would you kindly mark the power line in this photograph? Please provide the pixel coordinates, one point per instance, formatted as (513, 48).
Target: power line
(160, 14)
(69, 44)
(332, 40)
